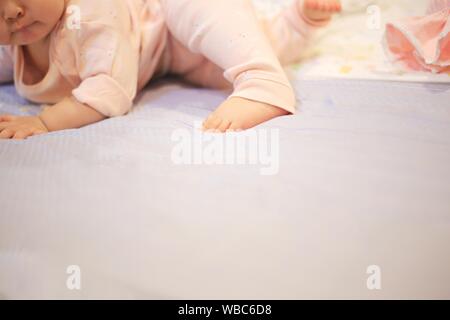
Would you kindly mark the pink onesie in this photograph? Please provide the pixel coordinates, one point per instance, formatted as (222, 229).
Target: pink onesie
(122, 44)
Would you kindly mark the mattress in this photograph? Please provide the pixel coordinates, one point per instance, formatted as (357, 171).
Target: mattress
(361, 180)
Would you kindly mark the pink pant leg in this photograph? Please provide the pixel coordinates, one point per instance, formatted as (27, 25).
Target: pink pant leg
(194, 67)
(228, 34)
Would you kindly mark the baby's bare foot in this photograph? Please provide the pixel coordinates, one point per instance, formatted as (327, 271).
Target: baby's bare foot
(320, 10)
(240, 114)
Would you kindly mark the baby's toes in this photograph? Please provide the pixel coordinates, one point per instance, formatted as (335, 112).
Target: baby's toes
(235, 127)
(212, 123)
(312, 4)
(328, 6)
(336, 6)
(322, 5)
(224, 125)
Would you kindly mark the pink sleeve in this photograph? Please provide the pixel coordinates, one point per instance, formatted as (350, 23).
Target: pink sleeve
(6, 65)
(106, 50)
(108, 69)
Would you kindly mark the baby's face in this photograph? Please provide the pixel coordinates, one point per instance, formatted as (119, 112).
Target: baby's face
(23, 22)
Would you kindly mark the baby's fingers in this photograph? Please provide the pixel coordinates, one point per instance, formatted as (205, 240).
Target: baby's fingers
(337, 7)
(7, 134)
(7, 117)
(22, 134)
(5, 124)
(39, 132)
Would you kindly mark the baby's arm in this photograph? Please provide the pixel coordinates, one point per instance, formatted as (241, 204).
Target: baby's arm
(67, 114)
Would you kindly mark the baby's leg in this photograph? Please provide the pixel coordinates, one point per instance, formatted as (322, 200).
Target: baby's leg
(228, 34)
(290, 31)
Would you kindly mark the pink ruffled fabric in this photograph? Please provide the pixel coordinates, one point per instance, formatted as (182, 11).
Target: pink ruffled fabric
(422, 43)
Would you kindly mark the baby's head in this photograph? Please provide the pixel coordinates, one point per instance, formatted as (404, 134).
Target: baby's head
(23, 22)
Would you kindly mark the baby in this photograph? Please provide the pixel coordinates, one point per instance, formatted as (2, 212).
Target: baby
(89, 58)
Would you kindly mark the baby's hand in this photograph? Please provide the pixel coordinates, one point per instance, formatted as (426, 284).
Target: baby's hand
(320, 10)
(15, 127)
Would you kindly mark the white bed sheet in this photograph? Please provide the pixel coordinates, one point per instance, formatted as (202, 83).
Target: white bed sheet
(364, 180)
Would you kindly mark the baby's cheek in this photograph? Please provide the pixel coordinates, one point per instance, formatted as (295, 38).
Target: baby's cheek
(5, 37)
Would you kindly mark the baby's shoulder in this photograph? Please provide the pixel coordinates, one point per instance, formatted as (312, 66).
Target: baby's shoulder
(108, 12)
(85, 18)
(88, 23)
